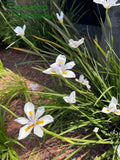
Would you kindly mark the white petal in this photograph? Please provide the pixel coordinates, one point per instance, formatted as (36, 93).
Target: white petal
(57, 16)
(22, 133)
(24, 27)
(114, 100)
(86, 82)
(47, 71)
(38, 131)
(118, 150)
(47, 119)
(29, 109)
(95, 129)
(66, 99)
(39, 112)
(53, 65)
(60, 17)
(81, 78)
(70, 65)
(112, 107)
(72, 94)
(88, 86)
(70, 40)
(98, 1)
(70, 99)
(68, 74)
(81, 41)
(22, 120)
(105, 110)
(61, 14)
(50, 71)
(17, 29)
(77, 80)
(61, 58)
(117, 112)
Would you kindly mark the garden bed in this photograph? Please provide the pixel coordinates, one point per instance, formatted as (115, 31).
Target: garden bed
(52, 146)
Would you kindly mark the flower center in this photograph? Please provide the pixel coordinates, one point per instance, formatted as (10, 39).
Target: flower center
(32, 125)
(61, 62)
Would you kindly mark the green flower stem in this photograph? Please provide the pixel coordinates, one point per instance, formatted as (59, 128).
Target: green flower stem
(79, 52)
(6, 20)
(65, 29)
(92, 141)
(72, 86)
(110, 25)
(9, 111)
(71, 140)
(58, 136)
(34, 48)
(3, 5)
(83, 114)
(100, 138)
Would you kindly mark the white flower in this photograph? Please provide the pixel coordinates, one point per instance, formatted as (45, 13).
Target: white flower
(83, 81)
(71, 98)
(59, 67)
(60, 17)
(107, 3)
(20, 31)
(75, 44)
(95, 129)
(33, 86)
(33, 121)
(112, 107)
(118, 150)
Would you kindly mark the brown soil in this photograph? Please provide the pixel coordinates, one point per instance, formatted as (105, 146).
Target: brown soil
(51, 147)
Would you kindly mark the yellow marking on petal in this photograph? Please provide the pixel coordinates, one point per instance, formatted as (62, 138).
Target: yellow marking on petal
(64, 73)
(108, 7)
(117, 112)
(38, 122)
(53, 71)
(107, 110)
(61, 62)
(30, 112)
(27, 129)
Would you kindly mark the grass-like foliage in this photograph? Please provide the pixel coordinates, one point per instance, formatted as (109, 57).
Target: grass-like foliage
(95, 100)
(7, 150)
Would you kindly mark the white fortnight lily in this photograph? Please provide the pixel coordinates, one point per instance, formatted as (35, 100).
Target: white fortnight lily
(59, 67)
(83, 81)
(112, 107)
(33, 121)
(107, 3)
(20, 31)
(60, 17)
(71, 98)
(95, 129)
(75, 44)
(33, 86)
